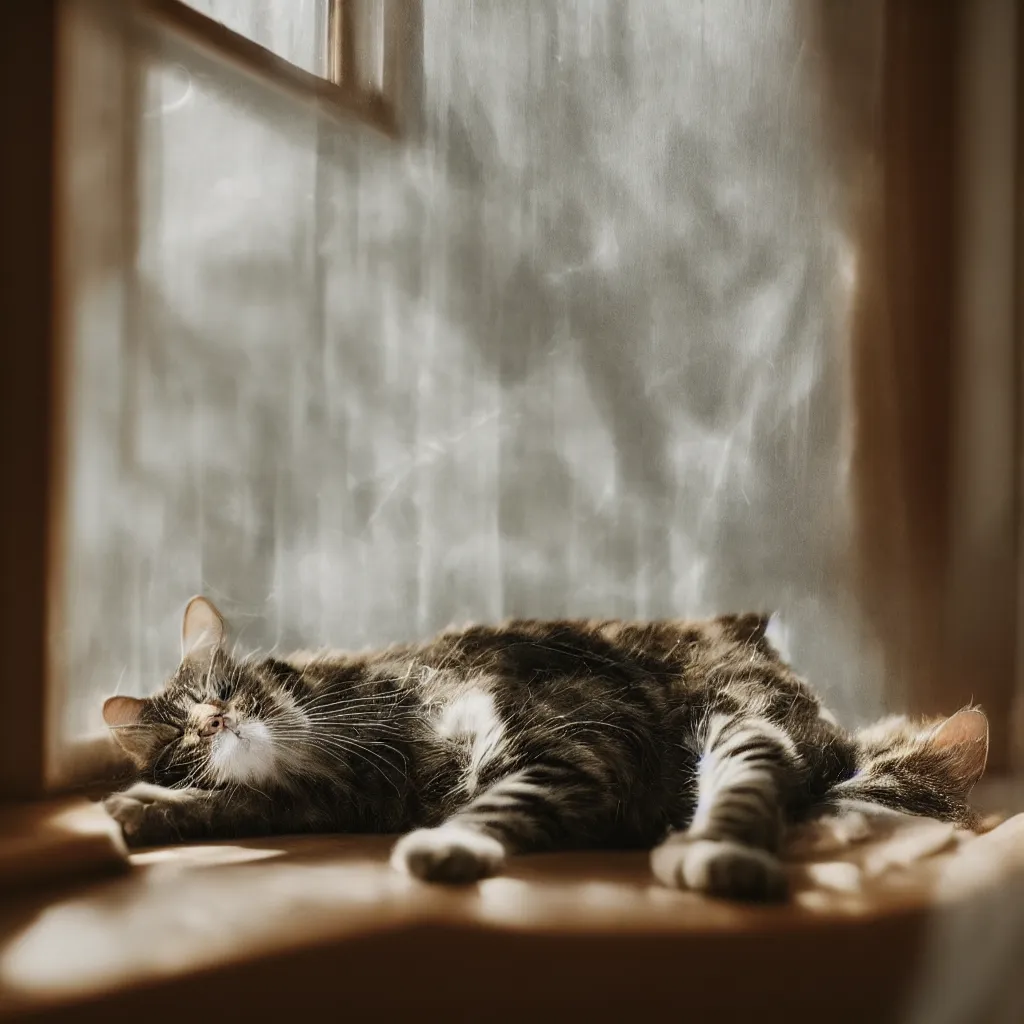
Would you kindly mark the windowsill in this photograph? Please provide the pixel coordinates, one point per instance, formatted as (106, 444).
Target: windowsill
(56, 842)
(282, 924)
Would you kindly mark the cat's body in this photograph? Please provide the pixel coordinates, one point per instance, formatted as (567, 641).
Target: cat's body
(693, 739)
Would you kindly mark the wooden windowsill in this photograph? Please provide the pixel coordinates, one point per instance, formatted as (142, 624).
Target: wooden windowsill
(282, 925)
(56, 842)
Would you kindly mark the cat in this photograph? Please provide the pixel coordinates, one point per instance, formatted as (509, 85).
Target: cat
(693, 740)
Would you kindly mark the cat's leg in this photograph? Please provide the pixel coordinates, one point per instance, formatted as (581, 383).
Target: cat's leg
(748, 768)
(546, 806)
(155, 815)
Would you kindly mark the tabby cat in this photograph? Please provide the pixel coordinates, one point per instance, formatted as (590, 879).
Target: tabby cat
(692, 739)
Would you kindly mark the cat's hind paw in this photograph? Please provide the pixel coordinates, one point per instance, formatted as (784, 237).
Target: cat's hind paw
(720, 868)
(450, 853)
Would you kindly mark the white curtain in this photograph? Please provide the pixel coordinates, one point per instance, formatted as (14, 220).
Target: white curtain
(578, 348)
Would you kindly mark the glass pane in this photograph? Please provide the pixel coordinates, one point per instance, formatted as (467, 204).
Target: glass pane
(185, 376)
(293, 29)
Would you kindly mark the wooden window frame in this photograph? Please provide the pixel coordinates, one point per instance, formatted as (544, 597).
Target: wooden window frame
(363, 82)
(29, 380)
(949, 625)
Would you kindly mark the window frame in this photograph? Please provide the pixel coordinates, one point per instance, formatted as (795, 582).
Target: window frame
(30, 381)
(950, 632)
(348, 90)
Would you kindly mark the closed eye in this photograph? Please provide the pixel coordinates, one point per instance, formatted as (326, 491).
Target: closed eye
(163, 761)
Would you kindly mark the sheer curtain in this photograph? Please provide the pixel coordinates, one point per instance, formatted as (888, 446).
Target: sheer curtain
(579, 348)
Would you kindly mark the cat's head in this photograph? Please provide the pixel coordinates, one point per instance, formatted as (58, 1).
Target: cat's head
(216, 722)
(925, 767)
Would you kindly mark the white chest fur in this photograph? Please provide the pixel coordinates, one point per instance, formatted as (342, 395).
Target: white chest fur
(471, 722)
(246, 756)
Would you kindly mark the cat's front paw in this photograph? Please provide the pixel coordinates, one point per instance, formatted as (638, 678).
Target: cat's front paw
(450, 853)
(126, 811)
(720, 868)
(146, 813)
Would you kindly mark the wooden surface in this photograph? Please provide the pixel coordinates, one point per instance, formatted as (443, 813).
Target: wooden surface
(283, 925)
(59, 840)
(932, 361)
(901, 360)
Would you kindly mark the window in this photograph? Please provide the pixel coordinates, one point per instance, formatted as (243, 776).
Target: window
(355, 42)
(356, 56)
(418, 324)
(584, 347)
(297, 31)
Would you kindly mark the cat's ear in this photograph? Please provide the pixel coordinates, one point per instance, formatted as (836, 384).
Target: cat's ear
(202, 630)
(123, 712)
(962, 739)
(748, 628)
(138, 739)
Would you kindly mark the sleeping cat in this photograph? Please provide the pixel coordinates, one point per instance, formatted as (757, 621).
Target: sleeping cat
(692, 739)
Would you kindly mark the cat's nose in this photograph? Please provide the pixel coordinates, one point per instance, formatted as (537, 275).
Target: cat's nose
(214, 724)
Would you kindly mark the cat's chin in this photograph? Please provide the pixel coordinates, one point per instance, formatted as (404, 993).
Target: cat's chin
(247, 756)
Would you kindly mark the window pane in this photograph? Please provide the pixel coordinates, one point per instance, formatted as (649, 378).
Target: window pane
(293, 29)
(184, 372)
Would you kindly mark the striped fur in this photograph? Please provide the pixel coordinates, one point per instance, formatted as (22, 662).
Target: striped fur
(691, 739)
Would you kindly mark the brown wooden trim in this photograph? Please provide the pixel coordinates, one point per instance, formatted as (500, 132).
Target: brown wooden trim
(927, 518)
(340, 42)
(903, 351)
(28, 259)
(982, 584)
(1017, 712)
(375, 47)
(339, 99)
(602, 978)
